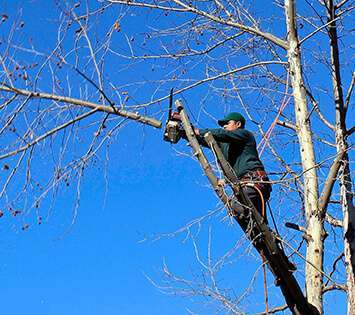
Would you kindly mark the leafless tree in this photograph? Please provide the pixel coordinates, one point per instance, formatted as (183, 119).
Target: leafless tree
(288, 67)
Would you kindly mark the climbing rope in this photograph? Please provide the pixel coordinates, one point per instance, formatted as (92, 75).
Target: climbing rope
(263, 214)
(268, 133)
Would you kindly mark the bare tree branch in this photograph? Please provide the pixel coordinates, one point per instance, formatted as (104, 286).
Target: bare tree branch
(275, 310)
(102, 108)
(329, 183)
(333, 221)
(348, 94)
(189, 8)
(287, 125)
(335, 286)
(47, 134)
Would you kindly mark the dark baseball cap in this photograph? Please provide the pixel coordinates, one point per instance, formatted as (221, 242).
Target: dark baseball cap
(232, 116)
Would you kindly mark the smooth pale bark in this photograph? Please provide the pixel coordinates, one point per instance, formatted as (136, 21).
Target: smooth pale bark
(349, 232)
(315, 248)
(342, 146)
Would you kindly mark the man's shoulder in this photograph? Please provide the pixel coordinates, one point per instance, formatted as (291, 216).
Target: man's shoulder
(243, 132)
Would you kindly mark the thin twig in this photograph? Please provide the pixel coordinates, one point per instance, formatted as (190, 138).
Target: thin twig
(47, 134)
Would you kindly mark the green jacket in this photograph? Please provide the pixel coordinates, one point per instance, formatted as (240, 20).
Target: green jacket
(238, 147)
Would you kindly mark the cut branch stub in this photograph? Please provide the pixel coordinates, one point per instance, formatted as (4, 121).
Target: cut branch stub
(197, 151)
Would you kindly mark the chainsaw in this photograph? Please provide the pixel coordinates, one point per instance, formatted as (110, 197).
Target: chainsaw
(172, 132)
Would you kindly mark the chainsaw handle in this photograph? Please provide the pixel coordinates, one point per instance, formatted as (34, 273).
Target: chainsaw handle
(179, 105)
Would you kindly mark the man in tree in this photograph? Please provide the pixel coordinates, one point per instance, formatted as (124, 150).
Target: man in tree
(238, 146)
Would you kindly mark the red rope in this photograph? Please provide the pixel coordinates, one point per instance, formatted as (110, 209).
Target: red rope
(265, 287)
(268, 133)
(263, 213)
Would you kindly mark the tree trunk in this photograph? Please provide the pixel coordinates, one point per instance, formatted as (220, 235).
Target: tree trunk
(344, 173)
(315, 247)
(349, 232)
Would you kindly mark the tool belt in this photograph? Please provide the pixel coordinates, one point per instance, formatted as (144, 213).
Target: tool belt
(259, 179)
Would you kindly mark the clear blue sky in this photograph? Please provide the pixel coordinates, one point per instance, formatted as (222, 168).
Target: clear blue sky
(100, 264)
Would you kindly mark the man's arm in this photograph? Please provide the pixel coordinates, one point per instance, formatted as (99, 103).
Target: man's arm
(222, 135)
(199, 138)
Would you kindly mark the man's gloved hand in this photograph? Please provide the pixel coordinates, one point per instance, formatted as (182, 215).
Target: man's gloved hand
(175, 116)
(221, 182)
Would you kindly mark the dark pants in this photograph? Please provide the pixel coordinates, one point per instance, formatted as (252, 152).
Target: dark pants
(256, 184)
(242, 209)
(242, 212)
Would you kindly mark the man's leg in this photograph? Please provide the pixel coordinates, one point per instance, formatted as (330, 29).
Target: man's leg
(242, 210)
